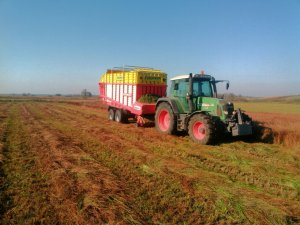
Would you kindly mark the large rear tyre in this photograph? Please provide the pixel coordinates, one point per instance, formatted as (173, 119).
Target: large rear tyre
(165, 119)
(201, 129)
(111, 114)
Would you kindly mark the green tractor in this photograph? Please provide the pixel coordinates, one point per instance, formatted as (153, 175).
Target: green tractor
(193, 106)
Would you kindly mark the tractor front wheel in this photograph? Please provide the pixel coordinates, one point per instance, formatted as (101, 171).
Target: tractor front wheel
(201, 129)
(164, 119)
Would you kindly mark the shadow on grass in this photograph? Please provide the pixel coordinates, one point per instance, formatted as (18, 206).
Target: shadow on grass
(261, 134)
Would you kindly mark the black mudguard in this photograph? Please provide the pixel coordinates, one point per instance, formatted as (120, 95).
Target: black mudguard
(171, 102)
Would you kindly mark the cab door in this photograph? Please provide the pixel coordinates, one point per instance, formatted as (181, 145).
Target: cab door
(179, 89)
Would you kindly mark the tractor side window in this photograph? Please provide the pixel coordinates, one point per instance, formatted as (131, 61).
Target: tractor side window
(202, 88)
(206, 89)
(179, 88)
(172, 85)
(182, 88)
(176, 86)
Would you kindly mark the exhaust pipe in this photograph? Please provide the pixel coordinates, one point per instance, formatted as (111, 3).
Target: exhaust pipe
(190, 93)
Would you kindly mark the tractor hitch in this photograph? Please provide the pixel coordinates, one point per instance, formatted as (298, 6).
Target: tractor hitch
(241, 125)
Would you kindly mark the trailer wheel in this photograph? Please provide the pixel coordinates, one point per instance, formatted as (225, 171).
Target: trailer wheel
(111, 114)
(118, 116)
(201, 129)
(164, 119)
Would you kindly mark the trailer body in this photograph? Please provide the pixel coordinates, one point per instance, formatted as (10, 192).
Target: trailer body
(121, 89)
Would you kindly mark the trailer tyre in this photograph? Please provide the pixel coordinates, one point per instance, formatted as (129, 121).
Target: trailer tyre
(119, 116)
(165, 119)
(201, 129)
(111, 114)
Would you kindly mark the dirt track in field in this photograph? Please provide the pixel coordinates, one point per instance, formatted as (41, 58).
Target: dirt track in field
(93, 171)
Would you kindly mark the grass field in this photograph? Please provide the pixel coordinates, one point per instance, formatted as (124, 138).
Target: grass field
(270, 107)
(63, 162)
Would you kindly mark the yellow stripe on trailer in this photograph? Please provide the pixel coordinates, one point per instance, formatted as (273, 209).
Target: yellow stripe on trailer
(134, 76)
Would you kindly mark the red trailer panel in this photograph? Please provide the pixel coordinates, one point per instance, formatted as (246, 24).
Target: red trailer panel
(122, 89)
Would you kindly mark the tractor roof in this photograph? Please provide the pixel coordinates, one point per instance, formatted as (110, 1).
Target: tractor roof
(180, 77)
(186, 76)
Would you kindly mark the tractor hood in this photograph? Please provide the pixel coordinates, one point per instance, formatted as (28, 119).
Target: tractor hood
(215, 106)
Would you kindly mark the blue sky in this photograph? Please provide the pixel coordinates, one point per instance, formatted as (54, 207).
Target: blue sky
(62, 46)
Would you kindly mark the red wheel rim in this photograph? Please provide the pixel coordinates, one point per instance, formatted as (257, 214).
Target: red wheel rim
(164, 120)
(199, 130)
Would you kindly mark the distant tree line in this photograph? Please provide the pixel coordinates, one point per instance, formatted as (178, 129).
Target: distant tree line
(86, 93)
(232, 97)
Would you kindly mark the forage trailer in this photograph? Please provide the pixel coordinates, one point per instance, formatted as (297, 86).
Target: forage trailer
(131, 92)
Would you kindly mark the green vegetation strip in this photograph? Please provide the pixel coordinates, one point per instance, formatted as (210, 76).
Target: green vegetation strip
(269, 107)
(23, 192)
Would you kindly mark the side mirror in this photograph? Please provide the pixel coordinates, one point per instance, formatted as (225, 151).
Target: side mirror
(227, 85)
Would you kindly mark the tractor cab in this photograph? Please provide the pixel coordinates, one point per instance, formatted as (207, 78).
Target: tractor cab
(202, 86)
(196, 92)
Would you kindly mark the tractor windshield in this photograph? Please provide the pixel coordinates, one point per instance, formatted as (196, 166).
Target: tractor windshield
(202, 88)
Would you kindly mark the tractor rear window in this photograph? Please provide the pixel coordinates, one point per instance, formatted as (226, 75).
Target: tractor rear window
(202, 88)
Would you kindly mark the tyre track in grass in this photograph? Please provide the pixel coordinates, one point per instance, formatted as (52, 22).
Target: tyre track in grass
(4, 116)
(4, 198)
(4, 108)
(184, 181)
(84, 191)
(222, 165)
(23, 187)
(159, 199)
